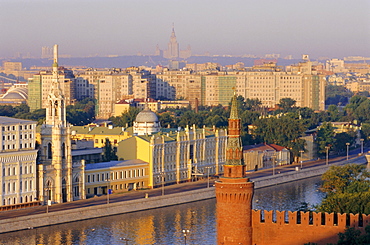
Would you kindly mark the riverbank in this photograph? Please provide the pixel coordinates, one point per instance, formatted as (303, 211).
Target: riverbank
(77, 214)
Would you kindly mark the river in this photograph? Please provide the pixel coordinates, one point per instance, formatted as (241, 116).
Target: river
(165, 225)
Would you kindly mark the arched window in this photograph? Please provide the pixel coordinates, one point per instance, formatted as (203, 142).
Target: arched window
(50, 151)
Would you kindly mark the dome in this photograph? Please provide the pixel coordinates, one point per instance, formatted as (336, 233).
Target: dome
(16, 93)
(13, 96)
(147, 116)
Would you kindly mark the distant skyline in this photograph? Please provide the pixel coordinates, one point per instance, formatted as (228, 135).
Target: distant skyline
(330, 28)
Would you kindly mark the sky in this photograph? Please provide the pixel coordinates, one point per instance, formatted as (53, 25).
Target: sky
(319, 28)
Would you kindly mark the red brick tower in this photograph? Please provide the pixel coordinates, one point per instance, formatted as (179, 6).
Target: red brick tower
(234, 191)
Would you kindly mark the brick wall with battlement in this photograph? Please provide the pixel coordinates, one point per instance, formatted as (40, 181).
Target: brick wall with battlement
(286, 227)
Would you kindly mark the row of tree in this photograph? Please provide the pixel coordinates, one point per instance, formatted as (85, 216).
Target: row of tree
(81, 113)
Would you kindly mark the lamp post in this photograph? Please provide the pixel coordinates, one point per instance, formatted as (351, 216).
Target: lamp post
(185, 232)
(362, 146)
(327, 154)
(162, 175)
(301, 151)
(347, 144)
(108, 179)
(208, 176)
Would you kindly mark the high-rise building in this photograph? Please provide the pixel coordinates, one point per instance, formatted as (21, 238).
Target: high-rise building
(173, 51)
(46, 52)
(234, 191)
(40, 86)
(59, 180)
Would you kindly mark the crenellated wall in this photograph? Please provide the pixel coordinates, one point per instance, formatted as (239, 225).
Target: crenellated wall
(286, 227)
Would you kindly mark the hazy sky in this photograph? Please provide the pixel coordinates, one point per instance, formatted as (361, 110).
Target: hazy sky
(333, 28)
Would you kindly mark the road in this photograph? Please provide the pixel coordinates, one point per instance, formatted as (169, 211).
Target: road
(167, 189)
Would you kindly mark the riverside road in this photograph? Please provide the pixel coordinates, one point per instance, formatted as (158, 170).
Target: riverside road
(171, 189)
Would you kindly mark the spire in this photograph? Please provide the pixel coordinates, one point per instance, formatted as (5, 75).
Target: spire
(234, 107)
(56, 111)
(173, 35)
(234, 149)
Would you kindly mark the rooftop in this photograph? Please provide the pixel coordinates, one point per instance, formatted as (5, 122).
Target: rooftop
(114, 164)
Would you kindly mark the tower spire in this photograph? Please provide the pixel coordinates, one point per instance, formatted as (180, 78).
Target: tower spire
(234, 192)
(234, 150)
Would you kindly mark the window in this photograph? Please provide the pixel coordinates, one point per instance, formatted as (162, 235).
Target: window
(88, 179)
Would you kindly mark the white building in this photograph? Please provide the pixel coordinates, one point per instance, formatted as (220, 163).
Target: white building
(18, 161)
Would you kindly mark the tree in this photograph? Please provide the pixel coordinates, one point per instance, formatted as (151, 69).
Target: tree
(353, 236)
(253, 104)
(337, 95)
(347, 190)
(286, 104)
(108, 152)
(341, 140)
(325, 138)
(127, 118)
(284, 131)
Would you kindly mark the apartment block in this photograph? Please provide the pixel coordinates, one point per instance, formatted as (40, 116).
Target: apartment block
(18, 161)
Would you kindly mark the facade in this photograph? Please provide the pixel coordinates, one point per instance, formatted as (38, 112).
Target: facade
(97, 135)
(59, 179)
(41, 84)
(18, 161)
(234, 191)
(265, 156)
(119, 176)
(176, 156)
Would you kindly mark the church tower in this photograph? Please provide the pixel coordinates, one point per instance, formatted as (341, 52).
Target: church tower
(234, 191)
(55, 172)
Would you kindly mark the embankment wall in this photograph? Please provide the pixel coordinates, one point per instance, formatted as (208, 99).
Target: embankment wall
(71, 215)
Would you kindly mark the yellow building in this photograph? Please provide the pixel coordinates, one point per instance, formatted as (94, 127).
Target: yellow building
(177, 156)
(99, 134)
(119, 176)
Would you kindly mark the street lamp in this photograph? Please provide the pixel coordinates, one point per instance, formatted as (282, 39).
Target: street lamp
(347, 144)
(301, 151)
(208, 176)
(362, 146)
(185, 232)
(108, 190)
(327, 154)
(162, 175)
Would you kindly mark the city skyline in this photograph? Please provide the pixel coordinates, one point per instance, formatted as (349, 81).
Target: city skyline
(87, 28)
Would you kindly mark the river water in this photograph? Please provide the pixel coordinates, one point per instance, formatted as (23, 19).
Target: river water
(165, 225)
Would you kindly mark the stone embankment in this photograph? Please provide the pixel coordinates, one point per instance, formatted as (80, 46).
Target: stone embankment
(59, 217)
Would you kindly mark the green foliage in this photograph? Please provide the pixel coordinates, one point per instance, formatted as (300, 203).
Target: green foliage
(347, 188)
(365, 131)
(336, 95)
(82, 112)
(284, 131)
(341, 139)
(352, 236)
(108, 152)
(286, 104)
(325, 137)
(126, 119)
